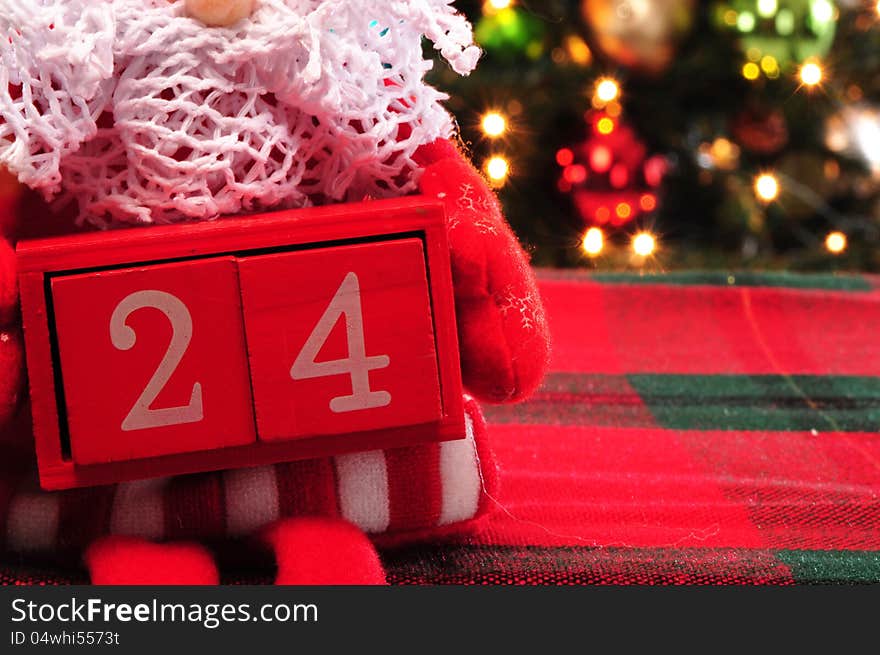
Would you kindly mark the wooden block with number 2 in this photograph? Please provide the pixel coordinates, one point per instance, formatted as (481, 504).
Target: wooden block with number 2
(340, 339)
(154, 360)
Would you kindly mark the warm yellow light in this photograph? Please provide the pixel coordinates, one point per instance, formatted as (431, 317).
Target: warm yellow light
(644, 244)
(836, 242)
(724, 153)
(811, 73)
(822, 11)
(877, 7)
(607, 90)
(605, 126)
(613, 109)
(494, 124)
(648, 202)
(594, 242)
(750, 71)
(745, 22)
(497, 168)
(499, 4)
(578, 50)
(768, 8)
(767, 187)
(769, 65)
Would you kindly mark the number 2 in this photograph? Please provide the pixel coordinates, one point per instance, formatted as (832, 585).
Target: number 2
(141, 417)
(347, 301)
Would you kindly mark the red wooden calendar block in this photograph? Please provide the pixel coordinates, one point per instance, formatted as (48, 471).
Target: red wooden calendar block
(153, 361)
(351, 341)
(340, 339)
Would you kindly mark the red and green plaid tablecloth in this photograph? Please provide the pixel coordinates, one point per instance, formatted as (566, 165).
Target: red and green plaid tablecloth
(694, 429)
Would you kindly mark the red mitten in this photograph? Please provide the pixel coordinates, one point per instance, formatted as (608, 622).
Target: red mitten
(503, 333)
(129, 561)
(317, 551)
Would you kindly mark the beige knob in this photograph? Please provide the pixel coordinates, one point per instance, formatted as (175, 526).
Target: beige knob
(220, 13)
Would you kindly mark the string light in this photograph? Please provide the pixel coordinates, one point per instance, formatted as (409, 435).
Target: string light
(644, 244)
(811, 74)
(607, 90)
(498, 169)
(498, 5)
(866, 133)
(785, 23)
(767, 187)
(721, 153)
(601, 159)
(594, 242)
(750, 71)
(768, 8)
(575, 174)
(565, 157)
(578, 50)
(822, 11)
(648, 202)
(836, 243)
(494, 124)
(745, 22)
(605, 126)
(770, 66)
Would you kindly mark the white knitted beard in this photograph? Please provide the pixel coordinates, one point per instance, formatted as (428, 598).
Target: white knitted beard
(147, 116)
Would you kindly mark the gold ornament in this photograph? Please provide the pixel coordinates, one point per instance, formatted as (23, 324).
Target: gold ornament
(220, 13)
(639, 34)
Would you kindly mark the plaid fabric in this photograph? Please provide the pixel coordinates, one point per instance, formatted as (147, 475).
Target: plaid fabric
(695, 429)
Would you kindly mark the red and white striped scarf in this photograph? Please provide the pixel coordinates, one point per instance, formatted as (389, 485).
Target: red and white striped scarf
(394, 495)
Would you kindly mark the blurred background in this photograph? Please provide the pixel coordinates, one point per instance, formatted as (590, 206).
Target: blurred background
(669, 134)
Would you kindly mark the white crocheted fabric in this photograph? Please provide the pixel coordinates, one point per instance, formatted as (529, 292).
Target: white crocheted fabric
(146, 115)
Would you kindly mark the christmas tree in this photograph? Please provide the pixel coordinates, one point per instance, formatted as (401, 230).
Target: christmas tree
(659, 134)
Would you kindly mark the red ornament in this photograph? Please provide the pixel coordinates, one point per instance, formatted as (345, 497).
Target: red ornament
(761, 131)
(609, 175)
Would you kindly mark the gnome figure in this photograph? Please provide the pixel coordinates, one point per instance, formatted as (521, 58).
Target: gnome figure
(143, 112)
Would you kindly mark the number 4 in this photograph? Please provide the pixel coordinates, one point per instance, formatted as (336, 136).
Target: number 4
(346, 301)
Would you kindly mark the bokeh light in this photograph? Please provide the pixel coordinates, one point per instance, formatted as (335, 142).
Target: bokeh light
(644, 244)
(767, 187)
(594, 242)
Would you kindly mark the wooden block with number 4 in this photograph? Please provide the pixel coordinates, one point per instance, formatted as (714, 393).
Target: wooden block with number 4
(340, 339)
(153, 360)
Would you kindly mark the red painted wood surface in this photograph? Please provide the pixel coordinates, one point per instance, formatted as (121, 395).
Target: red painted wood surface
(153, 360)
(365, 311)
(47, 265)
